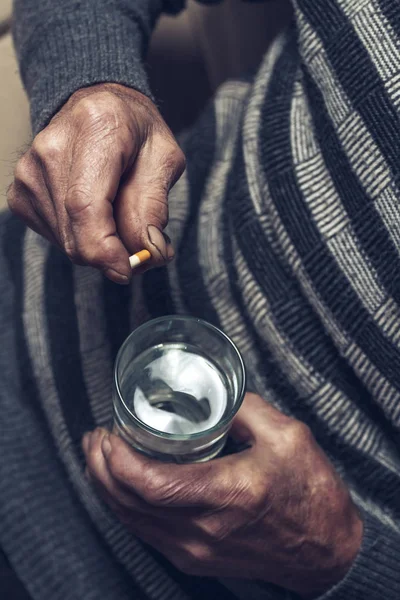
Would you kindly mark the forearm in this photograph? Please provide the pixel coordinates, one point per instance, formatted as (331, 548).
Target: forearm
(64, 45)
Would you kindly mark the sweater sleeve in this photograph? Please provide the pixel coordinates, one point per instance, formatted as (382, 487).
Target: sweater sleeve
(64, 45)
(375, 573)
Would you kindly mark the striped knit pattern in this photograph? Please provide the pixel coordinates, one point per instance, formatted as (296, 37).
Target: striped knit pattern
(288, 235)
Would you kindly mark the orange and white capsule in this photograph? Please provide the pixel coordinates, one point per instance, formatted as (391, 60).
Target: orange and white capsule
(139, 258)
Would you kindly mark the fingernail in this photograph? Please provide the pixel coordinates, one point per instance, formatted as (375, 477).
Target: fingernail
(106, 446)
(170, 248)
(170, 252)
(116, 277)
(157, 239)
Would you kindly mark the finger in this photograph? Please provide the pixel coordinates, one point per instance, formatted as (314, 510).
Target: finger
(97, 470)
(20, 204)
(116, 493)
(111, 491)
(90, 234)
(194, 486)
(28, 197)
(47, 158)
(162, 533)
(256, 418)
(141, 208)
(86, 442)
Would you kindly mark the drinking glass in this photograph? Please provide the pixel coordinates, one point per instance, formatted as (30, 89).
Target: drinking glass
(178, 382)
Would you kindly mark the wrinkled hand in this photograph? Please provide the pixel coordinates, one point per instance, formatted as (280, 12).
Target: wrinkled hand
(98, 176)
(277, 512)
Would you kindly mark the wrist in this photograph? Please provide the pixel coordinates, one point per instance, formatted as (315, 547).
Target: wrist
(342, 550)
(118, 89)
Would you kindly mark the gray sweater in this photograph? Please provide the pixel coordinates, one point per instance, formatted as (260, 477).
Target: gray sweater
(64, 45)
(288, 235)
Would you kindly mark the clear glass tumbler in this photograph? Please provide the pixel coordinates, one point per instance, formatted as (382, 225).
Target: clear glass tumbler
(178, 382)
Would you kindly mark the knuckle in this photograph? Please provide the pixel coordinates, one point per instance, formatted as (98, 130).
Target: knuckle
(69, 250)
(87, 254)
(89, 108)
(156, 489)
(173, 163)
(253, 497)
(194, 558)
(169, 159)
(215, 529)
(325, 483)
(124, 487)
(23, 169)
(47, 146)
(298, 435)
(248, 498)
(28, 181)
(199, 554)
(77, 200)
(98, 253)
(99, 111)
(180, 161)
(94, 460)
(89, 251)
(71, 253)
(116, 467)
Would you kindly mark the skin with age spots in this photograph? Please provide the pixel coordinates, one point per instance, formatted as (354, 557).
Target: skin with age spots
(276, 512)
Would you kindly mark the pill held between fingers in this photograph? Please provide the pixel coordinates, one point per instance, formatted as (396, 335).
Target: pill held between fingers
(140, 257)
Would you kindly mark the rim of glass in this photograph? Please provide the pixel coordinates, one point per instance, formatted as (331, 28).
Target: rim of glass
(204, 432)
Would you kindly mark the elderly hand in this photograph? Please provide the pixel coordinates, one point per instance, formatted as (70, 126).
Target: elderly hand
(95, 181)
(276, 512)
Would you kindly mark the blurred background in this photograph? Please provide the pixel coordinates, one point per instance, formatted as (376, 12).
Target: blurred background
(190, 55)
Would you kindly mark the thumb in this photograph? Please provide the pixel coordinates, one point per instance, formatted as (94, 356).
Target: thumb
(141, 207)
(256, 418)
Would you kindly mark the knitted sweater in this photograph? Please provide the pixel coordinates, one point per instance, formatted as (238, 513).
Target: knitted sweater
(288, 234)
